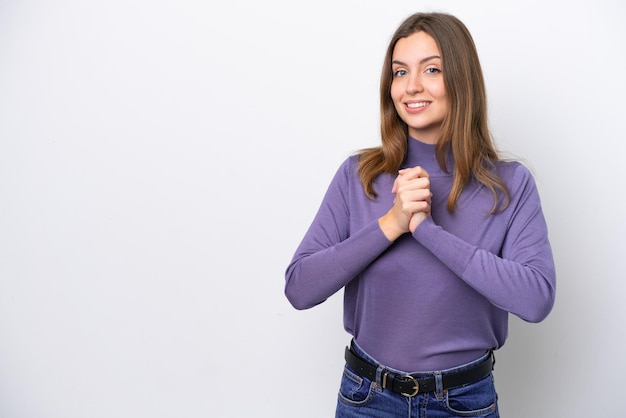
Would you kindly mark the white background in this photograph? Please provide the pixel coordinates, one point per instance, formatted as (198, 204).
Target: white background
(160, 162)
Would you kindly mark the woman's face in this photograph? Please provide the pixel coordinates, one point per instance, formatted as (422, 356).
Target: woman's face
(417, 88)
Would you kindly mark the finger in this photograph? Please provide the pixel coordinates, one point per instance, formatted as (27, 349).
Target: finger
(414, 172)
(404, 185)
(420, 195)
(415, 207)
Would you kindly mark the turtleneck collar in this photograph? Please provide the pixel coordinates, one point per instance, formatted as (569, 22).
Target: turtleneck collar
(425, 155)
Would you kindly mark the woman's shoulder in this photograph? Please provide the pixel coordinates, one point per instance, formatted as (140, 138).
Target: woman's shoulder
(514, 173)
(512, 168)
(346, 172)
(350, 164)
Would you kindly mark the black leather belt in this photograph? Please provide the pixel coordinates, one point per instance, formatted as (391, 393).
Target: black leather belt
(409, 385)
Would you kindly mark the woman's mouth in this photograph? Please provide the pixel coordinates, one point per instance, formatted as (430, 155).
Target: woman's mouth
(417, 105)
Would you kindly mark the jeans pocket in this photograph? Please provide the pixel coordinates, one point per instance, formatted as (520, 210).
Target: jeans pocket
(478, 399)
(354, 389)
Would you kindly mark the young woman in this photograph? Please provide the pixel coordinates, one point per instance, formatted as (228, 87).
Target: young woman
(432, 236)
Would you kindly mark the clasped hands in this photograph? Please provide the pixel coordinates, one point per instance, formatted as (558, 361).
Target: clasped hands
(411, 204)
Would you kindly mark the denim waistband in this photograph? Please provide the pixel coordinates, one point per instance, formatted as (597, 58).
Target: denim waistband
(365, 356)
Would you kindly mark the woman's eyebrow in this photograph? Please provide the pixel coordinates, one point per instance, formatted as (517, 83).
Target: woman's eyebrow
(422, 61)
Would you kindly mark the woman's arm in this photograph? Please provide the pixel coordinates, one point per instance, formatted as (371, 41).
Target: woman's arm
(330, 255)
(522, 280)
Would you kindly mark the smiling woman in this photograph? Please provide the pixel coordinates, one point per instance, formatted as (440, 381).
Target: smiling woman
(418, 90)
(434, 238)
(161, 162)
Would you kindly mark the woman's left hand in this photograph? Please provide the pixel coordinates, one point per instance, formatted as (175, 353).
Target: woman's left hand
(413, 187)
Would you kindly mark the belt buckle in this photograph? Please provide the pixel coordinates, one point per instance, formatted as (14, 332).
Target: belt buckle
(416, 387)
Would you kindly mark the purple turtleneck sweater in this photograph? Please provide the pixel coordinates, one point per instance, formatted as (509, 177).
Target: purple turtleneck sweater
(437, 298)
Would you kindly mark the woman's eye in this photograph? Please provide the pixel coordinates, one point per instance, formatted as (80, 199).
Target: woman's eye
(432, 70)
(399, 73)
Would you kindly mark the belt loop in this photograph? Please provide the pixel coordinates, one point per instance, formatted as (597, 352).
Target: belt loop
(438, 385)
(379, 378)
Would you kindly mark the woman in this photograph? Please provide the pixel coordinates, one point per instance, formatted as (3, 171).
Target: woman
(433, 237)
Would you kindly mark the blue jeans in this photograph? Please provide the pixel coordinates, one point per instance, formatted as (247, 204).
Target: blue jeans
(360, 397)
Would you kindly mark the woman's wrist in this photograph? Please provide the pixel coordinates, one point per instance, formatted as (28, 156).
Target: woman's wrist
(390, 227)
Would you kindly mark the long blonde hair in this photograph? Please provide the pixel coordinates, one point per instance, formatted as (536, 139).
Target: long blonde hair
(465, 128)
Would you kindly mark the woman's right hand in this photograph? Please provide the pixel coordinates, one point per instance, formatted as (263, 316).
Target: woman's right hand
(413, 196)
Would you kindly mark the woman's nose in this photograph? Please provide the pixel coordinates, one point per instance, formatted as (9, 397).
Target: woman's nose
(414, 84)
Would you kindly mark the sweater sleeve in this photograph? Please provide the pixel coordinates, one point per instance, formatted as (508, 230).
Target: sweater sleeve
(330, 256)
(522, 279)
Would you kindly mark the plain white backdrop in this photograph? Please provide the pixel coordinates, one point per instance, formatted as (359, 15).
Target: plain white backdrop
(160, 162)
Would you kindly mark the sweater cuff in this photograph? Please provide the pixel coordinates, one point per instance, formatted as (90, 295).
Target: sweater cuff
(448, 248)
(366, 244)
